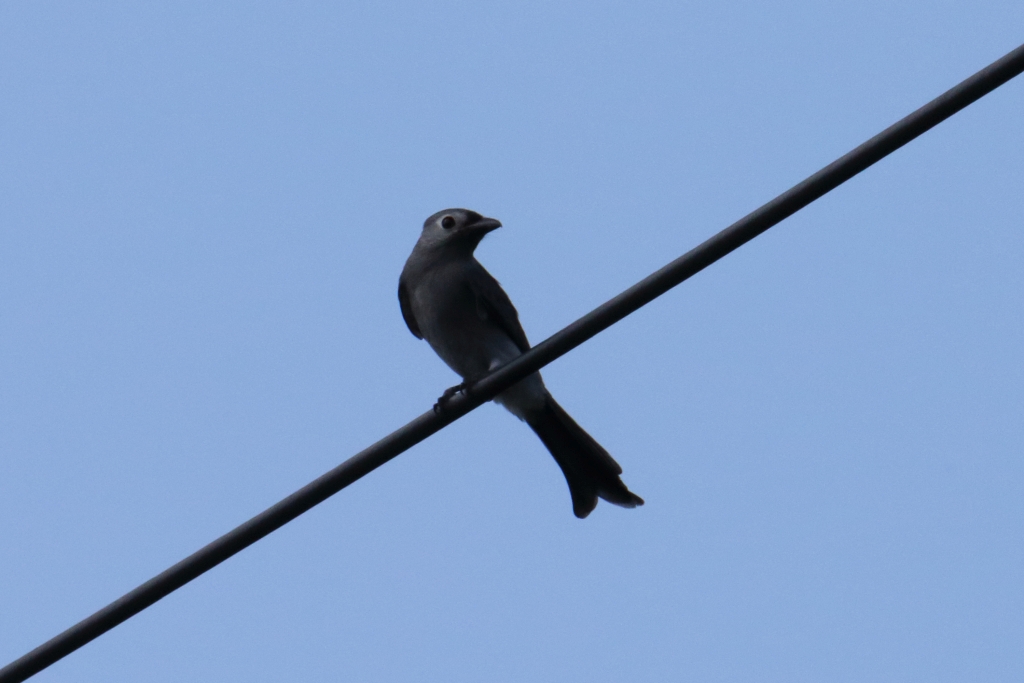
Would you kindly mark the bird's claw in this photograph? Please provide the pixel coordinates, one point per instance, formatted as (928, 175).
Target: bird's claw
(442, 402)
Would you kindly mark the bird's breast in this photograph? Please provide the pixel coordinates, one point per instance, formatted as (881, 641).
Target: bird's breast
(448, 317)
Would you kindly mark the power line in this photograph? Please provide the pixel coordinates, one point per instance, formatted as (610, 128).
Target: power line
(602, 317)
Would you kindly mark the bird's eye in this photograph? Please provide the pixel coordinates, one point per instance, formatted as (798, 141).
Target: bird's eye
(447, 222)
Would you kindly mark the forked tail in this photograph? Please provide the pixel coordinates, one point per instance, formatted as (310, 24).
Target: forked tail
(590, 472)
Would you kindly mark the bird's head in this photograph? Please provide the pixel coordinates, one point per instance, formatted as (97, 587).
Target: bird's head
(456, 228)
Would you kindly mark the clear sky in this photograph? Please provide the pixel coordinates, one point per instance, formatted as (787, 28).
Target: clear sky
(204, 209)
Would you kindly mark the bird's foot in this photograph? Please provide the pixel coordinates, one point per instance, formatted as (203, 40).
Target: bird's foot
(442, 402)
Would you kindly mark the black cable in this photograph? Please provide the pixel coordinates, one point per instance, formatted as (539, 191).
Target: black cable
(602, 317)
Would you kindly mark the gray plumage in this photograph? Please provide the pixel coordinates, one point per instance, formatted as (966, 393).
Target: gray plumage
(449, 299)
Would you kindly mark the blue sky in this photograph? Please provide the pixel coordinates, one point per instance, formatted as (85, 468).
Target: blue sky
(205, 208)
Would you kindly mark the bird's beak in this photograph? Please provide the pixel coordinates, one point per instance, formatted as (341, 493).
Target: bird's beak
(483, 226)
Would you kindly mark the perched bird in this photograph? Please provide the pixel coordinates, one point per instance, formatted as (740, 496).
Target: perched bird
(449, 299)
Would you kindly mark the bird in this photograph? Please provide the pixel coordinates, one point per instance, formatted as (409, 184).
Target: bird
(451, 301)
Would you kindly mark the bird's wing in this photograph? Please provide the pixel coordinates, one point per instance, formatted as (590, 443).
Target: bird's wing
(403, 301)
(492, 303)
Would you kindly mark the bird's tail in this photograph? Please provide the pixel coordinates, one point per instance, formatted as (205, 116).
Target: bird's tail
(589, 470)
